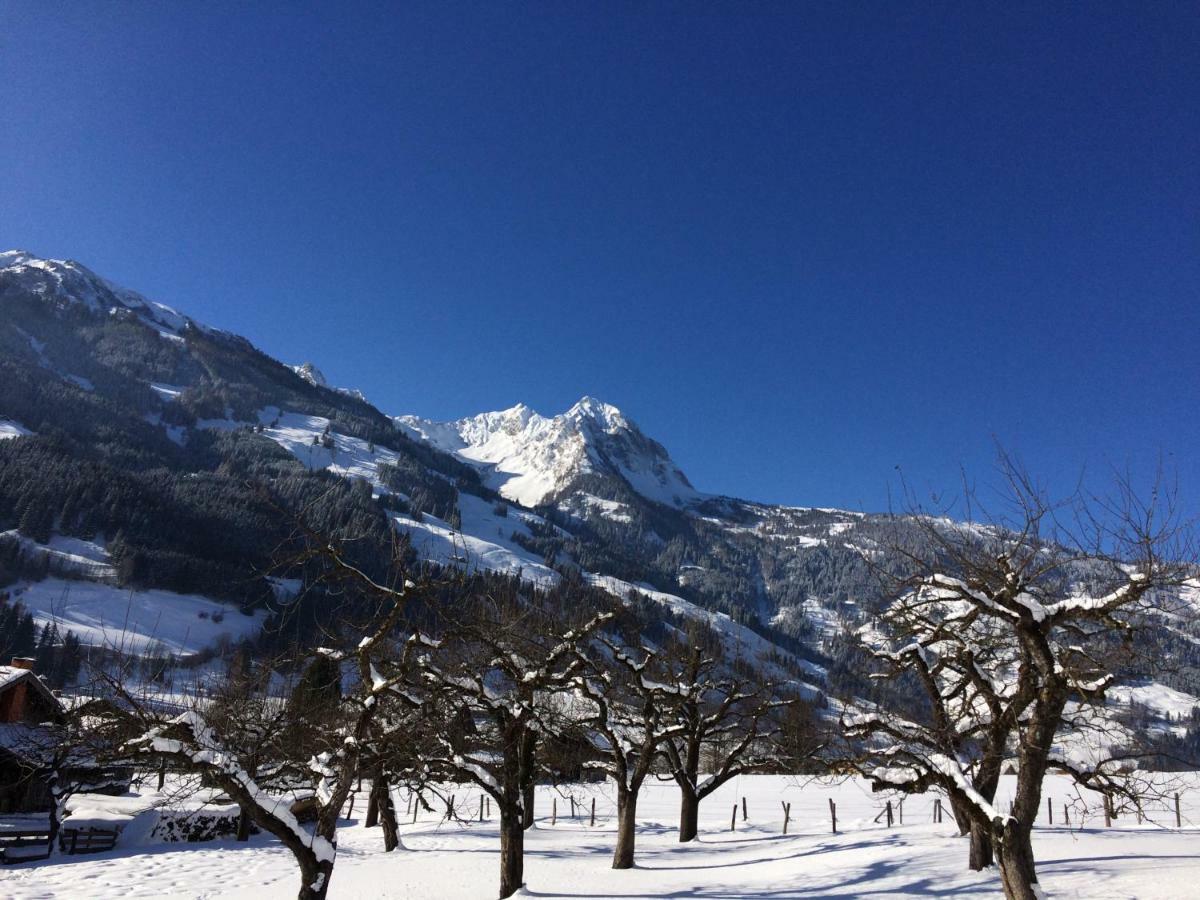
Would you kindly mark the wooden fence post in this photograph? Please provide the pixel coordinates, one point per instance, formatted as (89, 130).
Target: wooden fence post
(900, 810)
(489, 807)
(481, 807)
(733, 819)
(1049, 811)
(1066, 814)
(787, 814)
(743, 809)
(1178, 817)
(833, 814)
(554, 811)
(889, 814)
(593, 823)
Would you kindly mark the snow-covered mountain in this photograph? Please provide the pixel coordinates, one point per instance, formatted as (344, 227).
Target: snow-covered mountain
(533, 459)
(122, 420)
(66, 283)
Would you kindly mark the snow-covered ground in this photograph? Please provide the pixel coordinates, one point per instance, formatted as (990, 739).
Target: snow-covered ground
(10, 429)
(571, 859)
(134, 621)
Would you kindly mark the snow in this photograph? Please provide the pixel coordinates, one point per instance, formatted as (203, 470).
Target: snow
(167, 392)
(529, 457)
(66, 282)
(608, 509)
(89, 558)
(10, 429)
(1161, 699)
(459, 860)
(135, 621)
(435, 540)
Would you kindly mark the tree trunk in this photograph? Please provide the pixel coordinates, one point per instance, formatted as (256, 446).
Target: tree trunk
(387, 817)
(689, 815)
(1017, 875)
(527, 796)
(981, 847)
(314, 878)
(243, 831)
(373, 803)
(961, 817)
(626, 828)
(512, 852)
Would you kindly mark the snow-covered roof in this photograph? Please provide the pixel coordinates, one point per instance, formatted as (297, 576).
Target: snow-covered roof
(10, 675)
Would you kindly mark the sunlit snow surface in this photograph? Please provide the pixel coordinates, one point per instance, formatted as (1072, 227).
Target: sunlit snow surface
(571, 859)
(10, 429)
(529, 457)
(134, 621)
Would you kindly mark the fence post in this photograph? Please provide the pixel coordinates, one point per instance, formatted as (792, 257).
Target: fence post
(481, 807)
(889, 814)
(489, 807)
(833, 814)
(787, 814)
(554, 811)
(733, 819)
(1049, 811)
(1066, 814)
(743, 809)
(1178, 817)
(593, 823)
(900, 810)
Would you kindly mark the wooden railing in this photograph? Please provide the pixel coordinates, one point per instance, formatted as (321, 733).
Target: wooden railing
(18, 845)
(87, 840)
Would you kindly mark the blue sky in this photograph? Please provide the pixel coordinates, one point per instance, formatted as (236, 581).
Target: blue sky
(801, 244)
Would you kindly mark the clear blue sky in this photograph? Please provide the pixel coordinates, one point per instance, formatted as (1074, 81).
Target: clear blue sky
(801, 244)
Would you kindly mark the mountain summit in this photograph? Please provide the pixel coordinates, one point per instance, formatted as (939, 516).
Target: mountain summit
(65, 283)
(533, 459)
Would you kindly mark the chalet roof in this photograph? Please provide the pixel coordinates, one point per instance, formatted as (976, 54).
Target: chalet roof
(11, 675)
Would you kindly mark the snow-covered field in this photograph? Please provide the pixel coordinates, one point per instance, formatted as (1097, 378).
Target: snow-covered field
(135, 621)
(444, 861)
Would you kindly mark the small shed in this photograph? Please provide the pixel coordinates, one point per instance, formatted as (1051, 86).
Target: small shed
(28, 712)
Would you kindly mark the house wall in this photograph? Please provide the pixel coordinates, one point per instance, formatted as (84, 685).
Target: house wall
(21, 790)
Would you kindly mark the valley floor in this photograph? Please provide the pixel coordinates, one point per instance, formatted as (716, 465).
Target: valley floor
(571, 859)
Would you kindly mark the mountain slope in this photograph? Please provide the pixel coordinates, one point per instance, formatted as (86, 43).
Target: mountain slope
(534, 459)
(130, 426)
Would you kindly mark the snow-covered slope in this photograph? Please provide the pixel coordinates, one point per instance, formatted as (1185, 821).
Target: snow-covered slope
(531, 458)
(65, 283)
(10, 429)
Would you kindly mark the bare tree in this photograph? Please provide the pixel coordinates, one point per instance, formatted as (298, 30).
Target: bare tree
(497, 687)
(635, 712)
(193, 742)
(730, 719)
(1013, 626)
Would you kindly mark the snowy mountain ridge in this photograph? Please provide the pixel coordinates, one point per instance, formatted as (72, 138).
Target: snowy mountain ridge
(67, 283)
(532, 459)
